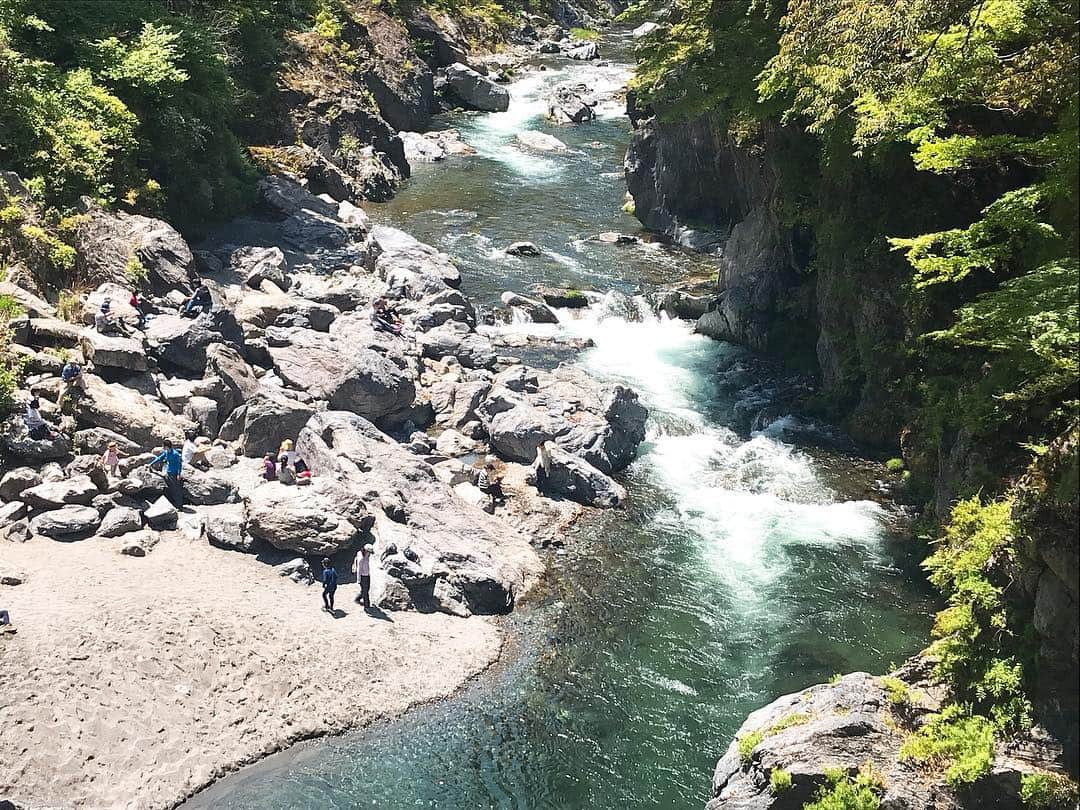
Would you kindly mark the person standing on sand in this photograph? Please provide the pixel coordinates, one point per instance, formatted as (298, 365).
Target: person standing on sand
(329, 584)
(362, 569)
(174, 465)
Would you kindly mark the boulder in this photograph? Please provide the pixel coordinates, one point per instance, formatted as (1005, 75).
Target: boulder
(183, 342)
(52, 494)
(208, 488)
(107, 241)
(475, 91)
(161, 514)
(540, 142)
(258, 264)
(298, 519)
(94, 441)
(54, 333)
(615, 238)
(268, 419)
(234, 371)
(134, 550)
(15, 439)
(120, 520)
(410, 268)
(564, 298)
(538, 311)
(524, 249)
(573, 477)
(645, 29)
(114, 352)
(515, 433)
(118, 296)
(584, 52)
(125, 411)
(455, 403)
(225, 526)
(455, 339)
(422, 147)
(451, 443)
(203, 411)
(68, 522)
(571, 103)
(11, 512)
(288, 197)
(16, 481)
(311, 232)
(372, 386)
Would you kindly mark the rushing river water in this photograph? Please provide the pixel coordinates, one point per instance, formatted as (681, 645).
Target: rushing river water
(747, 565)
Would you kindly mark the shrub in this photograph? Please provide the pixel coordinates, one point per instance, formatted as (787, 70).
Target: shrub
(895, 465)
(1048, 791)
(12, 366)
(747, 743)
(69, 306)
(779, 781)
(897, 691)
(134, 270)
(962, 744)
(844, 792)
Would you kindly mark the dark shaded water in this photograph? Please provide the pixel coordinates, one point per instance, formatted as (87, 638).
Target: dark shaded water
(744, 568)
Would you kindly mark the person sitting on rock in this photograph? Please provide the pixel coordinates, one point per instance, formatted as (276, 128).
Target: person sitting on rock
(110, 459)
(270, 467)
(71, 376)
(174, 467)
(329, 584)
(491, 485)
(40, 431)
(105, 323)
(297, 469)
(142, 308)
(200, 303)
(384, 317)
(193, 453)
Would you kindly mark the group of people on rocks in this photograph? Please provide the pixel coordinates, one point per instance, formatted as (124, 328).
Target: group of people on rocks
(361, 567)
(286, 466)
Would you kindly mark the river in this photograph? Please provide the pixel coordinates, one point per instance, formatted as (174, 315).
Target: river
(752, 559)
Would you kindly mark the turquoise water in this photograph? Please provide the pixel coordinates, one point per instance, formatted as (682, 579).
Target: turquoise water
(747, 565)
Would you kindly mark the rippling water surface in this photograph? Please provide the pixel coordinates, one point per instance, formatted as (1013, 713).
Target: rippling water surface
(747, 565)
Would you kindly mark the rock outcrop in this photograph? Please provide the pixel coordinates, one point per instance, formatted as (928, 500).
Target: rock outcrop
(476, 91)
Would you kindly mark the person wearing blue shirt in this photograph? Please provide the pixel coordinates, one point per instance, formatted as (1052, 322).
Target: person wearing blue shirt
(174, 465)
(329, 584)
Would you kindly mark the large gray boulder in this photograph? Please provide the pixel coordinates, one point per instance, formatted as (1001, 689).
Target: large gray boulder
(573, 477)
(476, 91)
(141, 419)
(537, 311)
(67, 523)
(269, 418)
(571, 103)
(455, 339)
(16, 481)
(227, 363)
(258, 264)
(113, 351)
(585, 52)
(410, 268)
(455, 403)
(183, 342)
(372, 386)
(226, 526)
(16, 440)
(109, 240)
(301, 519)
(120, 520)
(516, 433)
(209, 488)
(53, 494)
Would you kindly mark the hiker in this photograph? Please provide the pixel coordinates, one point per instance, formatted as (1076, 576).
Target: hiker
(142, 308)
(543, 464)
(174, 466)
(71, 376)
(491, 485)
(105, 323)
(285, 473)
(199, 303)
(329, 584)
(269, 467)
(5, 617)
(384, 317)
(40, 431)
(362, 569)
(193, 453)
(110, 459)
(6, 627)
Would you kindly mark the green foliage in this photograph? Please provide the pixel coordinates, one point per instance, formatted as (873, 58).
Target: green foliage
(895, 465)
(1048, 791)
(897, 691)
(844, 792)
(69, 306)
(747, 743)
(779, 781)
(12, 366)
(584, 33)
(135, 271)
(961, 744)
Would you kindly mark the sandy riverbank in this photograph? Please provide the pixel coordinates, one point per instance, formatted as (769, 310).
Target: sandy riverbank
(134, 682)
